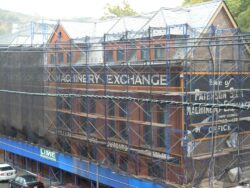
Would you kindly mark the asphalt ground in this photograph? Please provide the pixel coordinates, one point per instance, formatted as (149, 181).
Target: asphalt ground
(5, 184)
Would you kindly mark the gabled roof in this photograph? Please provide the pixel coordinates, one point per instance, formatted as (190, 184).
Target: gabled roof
(195, 16)
(99, 28)
(200, 14)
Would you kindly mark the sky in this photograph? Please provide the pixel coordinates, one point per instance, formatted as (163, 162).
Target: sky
(59, 9)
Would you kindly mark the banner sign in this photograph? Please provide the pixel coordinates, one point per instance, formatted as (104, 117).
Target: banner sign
(217, 89)
(48, 154)
(119, 79)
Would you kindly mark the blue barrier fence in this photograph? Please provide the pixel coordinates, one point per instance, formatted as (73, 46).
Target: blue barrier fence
(86, 169)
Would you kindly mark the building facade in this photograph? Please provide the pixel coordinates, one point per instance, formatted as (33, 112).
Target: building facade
(148, 107)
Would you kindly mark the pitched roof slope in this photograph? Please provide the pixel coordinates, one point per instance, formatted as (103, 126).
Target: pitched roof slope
(196, 16)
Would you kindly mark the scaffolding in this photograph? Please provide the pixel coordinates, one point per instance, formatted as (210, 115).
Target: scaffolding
(167, 104)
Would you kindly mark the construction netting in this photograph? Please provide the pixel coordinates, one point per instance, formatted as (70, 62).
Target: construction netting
(22, 114)
(169, 107)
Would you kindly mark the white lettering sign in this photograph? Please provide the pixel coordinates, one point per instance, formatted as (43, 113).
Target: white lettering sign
(117, 146)
(124, 147)
(221, 128)
(194, 110)
(228, 82)
(215, 82)
(119, 79)
(47, 154)
(200, 96)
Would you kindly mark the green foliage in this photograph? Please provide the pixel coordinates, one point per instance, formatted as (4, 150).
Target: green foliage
(243, 14)
(240, 10)
(243, 19)
(119, 11)
(234, 6)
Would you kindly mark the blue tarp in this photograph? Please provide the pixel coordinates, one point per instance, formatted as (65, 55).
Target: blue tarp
(86, 169)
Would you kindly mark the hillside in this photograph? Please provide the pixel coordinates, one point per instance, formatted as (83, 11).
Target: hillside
(8, 18)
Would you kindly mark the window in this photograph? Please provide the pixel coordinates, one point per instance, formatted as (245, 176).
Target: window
(111, 128)
(59, 35)
(83, 125)
(181, 50)
(144, 53)
(91, 104)
(131, 54)
(65, 144)
(111, 107)
(162, 115)
(83, 105)
(156, 169)
(6, 168)
(147, 134)
(111, 158)
(19, 180)
(120, 55)
(90, 126)
(88, 105)
(93, 152)
(175, 79)
(161, 137)
(59, 102)
(147, 112)
(64, 120)
(69, 57)
(123, 109)
(83, 150)
(67, 120)
(60, 57)
(160, 52)
(52, 59)
(123, 163)
(67, 103)
(109, 56)
(124, 130)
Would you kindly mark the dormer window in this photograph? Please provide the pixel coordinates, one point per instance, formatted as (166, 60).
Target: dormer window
(59, 35)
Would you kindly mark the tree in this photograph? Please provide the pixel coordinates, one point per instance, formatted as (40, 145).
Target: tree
(240, 10)
(119, 11)
(243, 19)
(234, 6)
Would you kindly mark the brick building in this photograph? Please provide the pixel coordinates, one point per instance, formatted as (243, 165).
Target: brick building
(146, 100)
